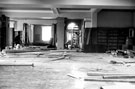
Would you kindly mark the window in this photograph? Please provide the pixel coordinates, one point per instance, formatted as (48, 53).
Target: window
(46, 33)
(72, 26)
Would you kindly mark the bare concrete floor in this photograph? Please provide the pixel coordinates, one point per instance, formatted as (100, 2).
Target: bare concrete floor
(68, 73)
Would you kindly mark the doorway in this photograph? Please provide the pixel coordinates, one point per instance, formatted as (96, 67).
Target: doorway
(72, 35)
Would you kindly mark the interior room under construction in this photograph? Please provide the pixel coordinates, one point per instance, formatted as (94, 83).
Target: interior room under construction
(67, 44)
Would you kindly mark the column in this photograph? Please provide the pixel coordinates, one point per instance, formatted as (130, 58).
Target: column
(60, 33)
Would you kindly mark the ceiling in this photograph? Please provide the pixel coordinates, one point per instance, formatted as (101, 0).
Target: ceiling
(51, 9)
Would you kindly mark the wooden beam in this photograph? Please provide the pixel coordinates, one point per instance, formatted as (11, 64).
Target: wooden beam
(17, 64)
(109, 80)
(119, 77)
(108, 74)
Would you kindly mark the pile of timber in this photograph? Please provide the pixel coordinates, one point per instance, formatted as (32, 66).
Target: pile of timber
(106, 77)
(112, 77)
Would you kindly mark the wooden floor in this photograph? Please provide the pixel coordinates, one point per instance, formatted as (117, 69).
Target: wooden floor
(61, 73)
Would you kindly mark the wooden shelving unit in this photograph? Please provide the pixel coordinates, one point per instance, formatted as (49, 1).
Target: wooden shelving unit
(112, 39)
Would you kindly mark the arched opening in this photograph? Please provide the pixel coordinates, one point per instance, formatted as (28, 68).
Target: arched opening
(72, 34)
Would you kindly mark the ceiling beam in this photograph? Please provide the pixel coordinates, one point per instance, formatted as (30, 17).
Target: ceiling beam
(55, 11)
(38, 8)
(30, 15)
(94, 10)
(26, 11)
(72, 15)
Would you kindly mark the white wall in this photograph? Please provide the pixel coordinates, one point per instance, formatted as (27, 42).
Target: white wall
(115, 19)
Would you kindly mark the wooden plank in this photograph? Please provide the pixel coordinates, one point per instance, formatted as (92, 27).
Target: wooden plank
(109, 80)
(102, 80)
(108, 74)
(17, 64)
(119, 77)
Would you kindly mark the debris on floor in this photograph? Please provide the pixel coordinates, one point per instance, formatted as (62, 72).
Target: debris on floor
(122, 53)
(25, 49)
(120, 62)
(115, 62)
(107, 78)
(33, 51)
(59, 56)
(52, 71)
(38, 51)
